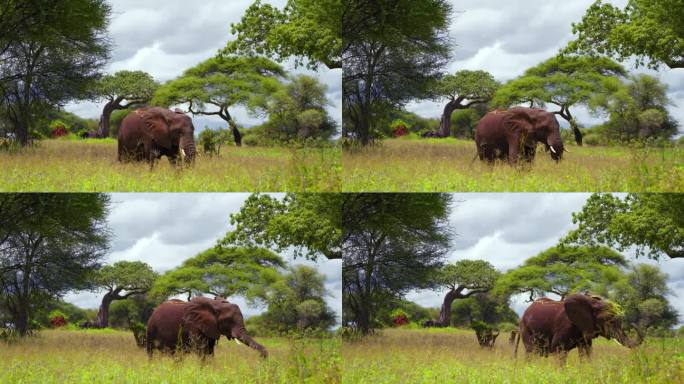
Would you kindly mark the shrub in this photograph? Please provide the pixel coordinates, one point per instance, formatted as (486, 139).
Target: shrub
(399, 317)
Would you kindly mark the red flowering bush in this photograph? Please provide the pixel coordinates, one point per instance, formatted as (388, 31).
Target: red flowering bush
(399, 318)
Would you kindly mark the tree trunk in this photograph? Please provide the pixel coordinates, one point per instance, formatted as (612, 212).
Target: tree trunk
(236, 136)
(445, 122)
(21, 319)
(103, 131)
(577, 132)
(102, 320)
(445, 311)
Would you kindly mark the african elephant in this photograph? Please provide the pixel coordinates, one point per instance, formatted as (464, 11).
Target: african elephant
(514, 132)
(199, 323)
(149, 133)
(550, 326)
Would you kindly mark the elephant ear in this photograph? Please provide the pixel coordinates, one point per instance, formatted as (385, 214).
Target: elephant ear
(517, 120)
(579, 310)
(201, 315)
(157, 127)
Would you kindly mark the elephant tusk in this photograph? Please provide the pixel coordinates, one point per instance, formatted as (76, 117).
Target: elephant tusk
(237, 341)
(552, 150)
(564, 149)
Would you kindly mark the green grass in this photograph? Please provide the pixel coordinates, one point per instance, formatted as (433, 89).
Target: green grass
(58, 356)
(453, 356)
(438, 165)
(91, 166)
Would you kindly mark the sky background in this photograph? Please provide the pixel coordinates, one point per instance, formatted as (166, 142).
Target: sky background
(164, 229)
(507, 228)
(505, 37)
(166, 37)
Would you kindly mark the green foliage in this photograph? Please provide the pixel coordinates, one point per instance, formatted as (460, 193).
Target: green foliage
(414, 312)
(472, 275)
(464, 122)
(310, 223)
(564, 270)
(304, 29)
(126, 313)
(650, 31)
(221, 271)
(474, 86)
(134, 277)
(115, 120)
(135, 87)
(653, 223)
(211, 140)
(482, 307)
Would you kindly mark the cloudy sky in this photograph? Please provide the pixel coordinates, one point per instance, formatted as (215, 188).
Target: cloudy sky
(165, 229)
(165, 37)
(505, 37)
(507, 228)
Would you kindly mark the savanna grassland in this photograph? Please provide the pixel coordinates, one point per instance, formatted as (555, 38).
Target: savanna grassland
(108, 356)
(92, 166)
(438, 165)
(453, 356)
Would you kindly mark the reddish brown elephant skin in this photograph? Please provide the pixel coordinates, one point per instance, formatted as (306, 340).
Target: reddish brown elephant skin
(149, 133)
(200, 323)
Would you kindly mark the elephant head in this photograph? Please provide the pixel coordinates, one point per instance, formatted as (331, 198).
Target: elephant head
(170, 128)
(215, 317)
(594, 317)
(542, 126)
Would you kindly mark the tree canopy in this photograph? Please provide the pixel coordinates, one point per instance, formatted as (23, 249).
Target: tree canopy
(218, 84)
(310, 223)
(122, 90)
(220, 271)
(391, 243)
(393, 51)
(49, 244)
(649, 30)
(463, 90)
(653, 223)
(565, 82)
(304, 29)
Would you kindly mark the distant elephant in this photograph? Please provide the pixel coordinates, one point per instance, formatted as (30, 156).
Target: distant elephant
(550, 326)
(429, 324)
(511, 338)
(485, 334)
(87, 325)
(516, 132)
(150, 133)
(199, 324)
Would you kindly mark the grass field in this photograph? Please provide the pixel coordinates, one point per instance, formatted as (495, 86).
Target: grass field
(57, 356)
(91, 165)
(453, 356)
(442, 165)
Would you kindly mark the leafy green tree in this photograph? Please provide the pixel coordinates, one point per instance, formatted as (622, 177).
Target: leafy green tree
(650, 30)
(482, 307)
(123, 90)
(564, 270)
(220, 271)
(465, 122)
(55, 55)
(49, 245)
(391, 243)
(463, 90)
(653, 223)
(414, 312)
(393, 51)
(564, 81)
(310, 223)
(297, 302)
(120, 281)
(463, 279)
(136, 309)
(214, 86)
(304, 29)
(211, 140)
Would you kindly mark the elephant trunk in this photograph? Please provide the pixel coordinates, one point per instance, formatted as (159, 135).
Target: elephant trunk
(623, 339)
(247, 339)
(188, 145)
(555, 144)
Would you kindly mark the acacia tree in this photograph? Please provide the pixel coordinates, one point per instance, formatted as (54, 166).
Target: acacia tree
(463, 279)
(214, 86)
(131, 87)
(463, 89)
(649, 30)
(57, 53)
(49, 245)
(563, 270)
(564, 81)
(391, 243)
(393, 51)
(653, 223)
(121, 280)
(304, 29)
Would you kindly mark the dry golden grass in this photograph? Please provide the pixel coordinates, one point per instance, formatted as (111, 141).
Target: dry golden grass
(441, 165)
(90, 166)
(453, 356)
(112, 357)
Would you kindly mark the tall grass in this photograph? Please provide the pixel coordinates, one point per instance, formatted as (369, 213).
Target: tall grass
(89, 357)
(91, 166)
(454, 356)
(434, 165)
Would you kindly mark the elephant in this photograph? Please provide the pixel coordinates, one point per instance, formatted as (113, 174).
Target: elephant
(148, 133)
(196, 325)
(515, 132)
(511, 338)
(486, 337)
(429, 324)
(550, 326)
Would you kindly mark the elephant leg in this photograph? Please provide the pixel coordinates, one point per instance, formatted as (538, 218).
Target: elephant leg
(513, 148)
